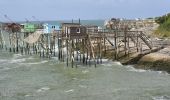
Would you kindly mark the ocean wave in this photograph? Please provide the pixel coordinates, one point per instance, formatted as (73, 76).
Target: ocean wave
(4, 68)
(82, 86)
(163, 72)
(110, 63)
(85, 71)
(43, 89)
(8, 68)
(117, 63)
(17, 60)
(9, 61)
(17, 55)
(71, 90)
(3, 61)
(131, 68)
(161, 98)
(36, 63)
(105, 60)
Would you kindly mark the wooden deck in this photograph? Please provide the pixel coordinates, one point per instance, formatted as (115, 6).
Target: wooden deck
(84, 46)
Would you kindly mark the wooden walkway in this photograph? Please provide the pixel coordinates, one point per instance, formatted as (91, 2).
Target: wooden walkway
(85, 48)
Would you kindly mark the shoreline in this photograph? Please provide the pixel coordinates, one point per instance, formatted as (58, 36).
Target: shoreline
(156, 61)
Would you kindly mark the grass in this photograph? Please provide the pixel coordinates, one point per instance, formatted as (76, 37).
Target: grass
(164, 28)
(162, 33)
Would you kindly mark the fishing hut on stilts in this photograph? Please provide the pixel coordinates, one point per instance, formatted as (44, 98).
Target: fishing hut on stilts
(78, 44)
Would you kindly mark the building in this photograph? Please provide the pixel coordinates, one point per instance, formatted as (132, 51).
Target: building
(74, 30)
(50, 28)
(92, 28)
(11, 27)
(28, 27)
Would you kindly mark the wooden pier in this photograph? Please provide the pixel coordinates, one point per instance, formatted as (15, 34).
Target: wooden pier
(76, 44)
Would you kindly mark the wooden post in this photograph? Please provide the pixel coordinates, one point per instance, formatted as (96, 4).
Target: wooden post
(137, 44)
(104, 46)
(128, 45)
(59, 46)
(125, 40)
(72, 51)
(100, 50)
(115, 44)
(87, 55)
(16, 42)
(83, 44)
(77, 44)
(67, 50)
(54, 44)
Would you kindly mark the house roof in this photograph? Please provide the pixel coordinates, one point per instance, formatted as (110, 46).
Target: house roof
(91, 26)
(51, 24)
(71, 24)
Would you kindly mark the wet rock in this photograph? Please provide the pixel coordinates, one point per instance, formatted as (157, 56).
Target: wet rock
(159, 61)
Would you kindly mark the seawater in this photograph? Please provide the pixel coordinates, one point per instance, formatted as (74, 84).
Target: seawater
(24, 77)
(98, 22)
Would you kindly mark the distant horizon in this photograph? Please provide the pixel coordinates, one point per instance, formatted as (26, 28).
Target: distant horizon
(51, 20)
(41, 20)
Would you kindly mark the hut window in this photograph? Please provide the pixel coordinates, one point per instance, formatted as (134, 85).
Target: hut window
(53, 26)
(78, 30)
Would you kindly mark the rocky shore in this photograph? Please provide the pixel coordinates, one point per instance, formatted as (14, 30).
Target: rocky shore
(159, 61)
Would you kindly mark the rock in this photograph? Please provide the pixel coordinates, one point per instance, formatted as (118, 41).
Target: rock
(156, 61)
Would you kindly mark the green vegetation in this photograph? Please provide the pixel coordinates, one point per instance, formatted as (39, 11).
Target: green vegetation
(164, 28)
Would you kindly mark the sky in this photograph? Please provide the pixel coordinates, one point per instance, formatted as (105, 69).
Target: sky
(20, 10)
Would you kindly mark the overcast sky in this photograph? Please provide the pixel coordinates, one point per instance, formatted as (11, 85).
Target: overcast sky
(18, 10)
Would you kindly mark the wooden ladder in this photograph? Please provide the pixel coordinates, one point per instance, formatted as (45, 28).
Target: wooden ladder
(145, 39)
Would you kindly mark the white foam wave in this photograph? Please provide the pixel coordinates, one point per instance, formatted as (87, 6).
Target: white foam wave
(110, 63)
(117, 63)
(12, 60)
(82, 86)
(36, 63)
(3, 61)
(105, 60)
(163, 72)
(27, 95)
(17, 55)
(71, 90)
(131, 68)
(85, 71)
(29, 58)
(161, 98)
(7, 68)
(43, 89)
(17, 60)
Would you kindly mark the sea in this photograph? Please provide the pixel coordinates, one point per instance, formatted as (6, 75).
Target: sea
(29, 77)
(97, 22)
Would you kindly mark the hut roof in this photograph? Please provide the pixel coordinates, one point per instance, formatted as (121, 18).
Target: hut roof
(71, 24)
(91, 26)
